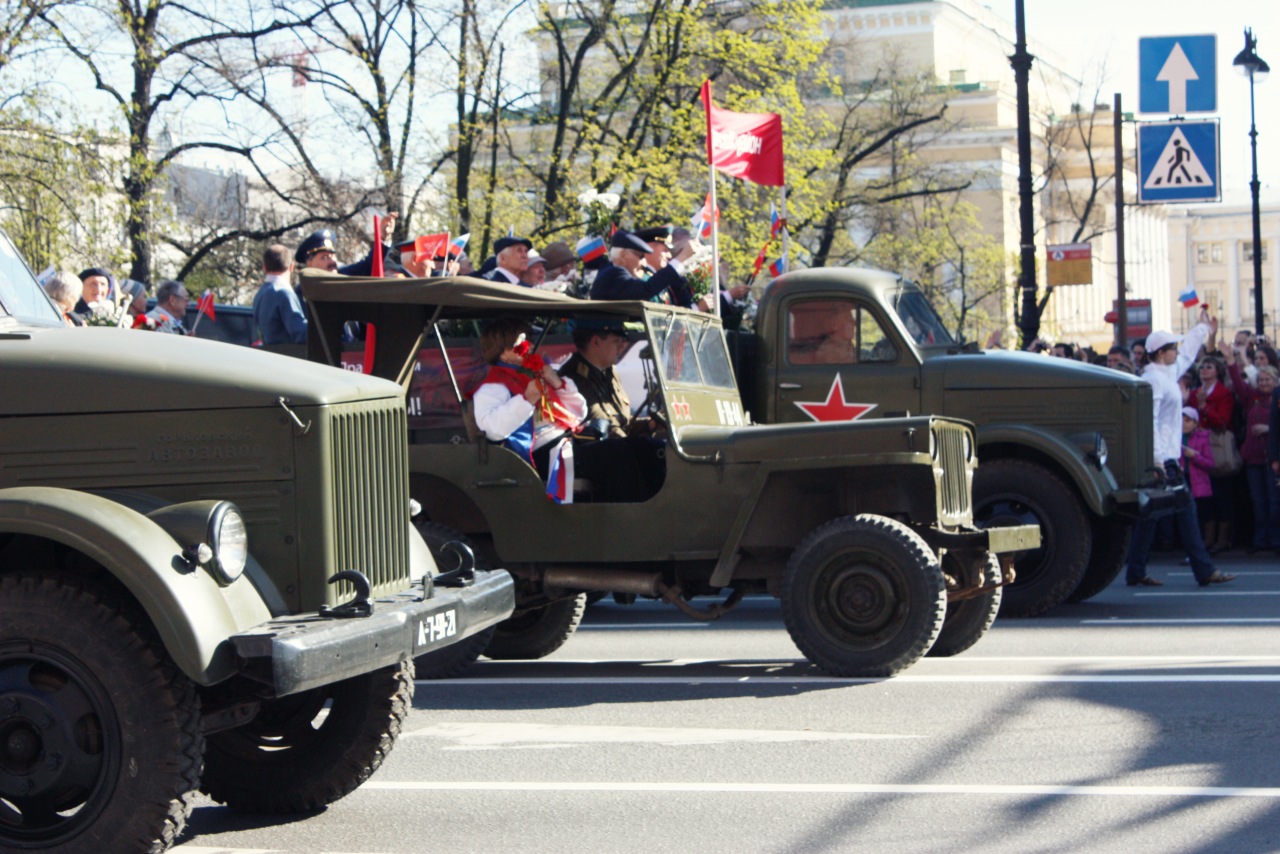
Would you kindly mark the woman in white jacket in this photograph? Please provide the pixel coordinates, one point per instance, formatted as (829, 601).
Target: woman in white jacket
(1169, 360)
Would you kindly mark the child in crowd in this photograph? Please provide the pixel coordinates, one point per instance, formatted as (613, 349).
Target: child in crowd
(1197, 458)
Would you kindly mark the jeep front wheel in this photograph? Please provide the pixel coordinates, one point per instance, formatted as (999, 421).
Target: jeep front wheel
(967, 620)
(99, 731)
(863, 596)
(307, 750)
(1016, 492)
(536, 632)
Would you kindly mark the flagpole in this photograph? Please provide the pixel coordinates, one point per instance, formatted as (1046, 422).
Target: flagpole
(715, 247)
(786, 232)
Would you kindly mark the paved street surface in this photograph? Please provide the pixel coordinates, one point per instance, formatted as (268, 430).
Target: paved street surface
(1142, 720)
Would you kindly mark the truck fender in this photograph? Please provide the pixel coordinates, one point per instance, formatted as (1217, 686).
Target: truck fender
(192, 612)
(1095, 484)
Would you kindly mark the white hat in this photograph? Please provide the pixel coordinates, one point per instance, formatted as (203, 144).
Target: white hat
(1160, 339)
(535, 258)
(1192, 413)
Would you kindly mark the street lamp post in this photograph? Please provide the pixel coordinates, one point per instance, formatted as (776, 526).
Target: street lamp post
(1248, 63)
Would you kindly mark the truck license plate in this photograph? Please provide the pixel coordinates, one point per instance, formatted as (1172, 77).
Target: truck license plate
(436, 628)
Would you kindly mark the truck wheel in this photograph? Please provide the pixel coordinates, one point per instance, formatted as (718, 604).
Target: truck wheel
(1016, 492)
(968, 620)
(536, 632)
(1111, 536)
(99, 731)
(454, 659)
(863, 596)
(307, 750)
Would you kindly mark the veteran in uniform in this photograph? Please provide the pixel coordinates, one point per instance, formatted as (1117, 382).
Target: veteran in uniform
(621, 279)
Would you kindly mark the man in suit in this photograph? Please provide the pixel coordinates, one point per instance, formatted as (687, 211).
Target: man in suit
(512, 255)
(621, 278)
(276, 307)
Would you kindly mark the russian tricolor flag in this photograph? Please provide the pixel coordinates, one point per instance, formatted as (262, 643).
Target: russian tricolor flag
(1189, 298)
(776, 223)
(592, 250)
(701, 221)
(776, 268)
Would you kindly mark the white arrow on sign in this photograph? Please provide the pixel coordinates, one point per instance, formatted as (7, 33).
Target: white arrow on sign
(1176, 71)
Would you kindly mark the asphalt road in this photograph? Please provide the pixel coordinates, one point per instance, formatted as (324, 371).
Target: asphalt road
(1142, 720)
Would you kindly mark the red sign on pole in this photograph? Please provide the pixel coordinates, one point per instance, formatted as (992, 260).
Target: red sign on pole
(744, 145)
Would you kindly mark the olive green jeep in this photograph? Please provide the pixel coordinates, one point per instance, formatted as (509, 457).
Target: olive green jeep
(208, 580)
(864, 531)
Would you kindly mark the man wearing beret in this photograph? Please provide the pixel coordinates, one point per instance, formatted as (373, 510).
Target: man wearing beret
(512, 255)
(96, 284)
(319, 251)
(621, 279)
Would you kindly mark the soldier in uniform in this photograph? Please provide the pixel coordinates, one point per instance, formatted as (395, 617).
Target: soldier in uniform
(616, 452)
(319, 251)
(621, 279)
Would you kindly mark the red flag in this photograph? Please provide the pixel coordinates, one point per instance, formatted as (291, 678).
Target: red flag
(377, 272)
(744, 145)
(755, 268)
(427, 245)
(205, 304)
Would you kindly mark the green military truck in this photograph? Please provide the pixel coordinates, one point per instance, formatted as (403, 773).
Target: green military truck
(862, 531)
(1062, 445)
(208, 580)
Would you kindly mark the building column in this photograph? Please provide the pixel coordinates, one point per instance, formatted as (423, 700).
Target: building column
(1232, 285)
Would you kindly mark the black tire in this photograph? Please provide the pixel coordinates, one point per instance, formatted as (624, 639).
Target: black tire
(536, 632)
(100, 738)
(1017, 492)
(307, 750)
(968, 620)
(454, 659)
(863, 596)
(1111, 536)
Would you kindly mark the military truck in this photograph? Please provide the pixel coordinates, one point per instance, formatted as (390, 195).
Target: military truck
(1062, 445)
(862, 531)
(208, 580)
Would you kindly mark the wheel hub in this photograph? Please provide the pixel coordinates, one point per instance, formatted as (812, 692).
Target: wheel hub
(864, 597)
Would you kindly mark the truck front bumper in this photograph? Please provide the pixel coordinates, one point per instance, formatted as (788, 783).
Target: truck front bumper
(300, 652)
(1151, 502)
(1003, 540)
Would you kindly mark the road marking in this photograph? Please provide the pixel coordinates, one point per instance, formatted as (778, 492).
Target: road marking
(1212, 593)
(1184, 621)
(644, 626)
(489, 736)
(832, 789)
(782, 679)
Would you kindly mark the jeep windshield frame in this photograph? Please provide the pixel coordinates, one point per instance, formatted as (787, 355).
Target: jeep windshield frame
(21, 297)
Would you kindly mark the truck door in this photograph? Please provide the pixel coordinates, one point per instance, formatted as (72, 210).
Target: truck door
(839, 361)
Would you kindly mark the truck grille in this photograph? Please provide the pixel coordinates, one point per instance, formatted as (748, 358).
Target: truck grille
(370, 495)
(953, 474)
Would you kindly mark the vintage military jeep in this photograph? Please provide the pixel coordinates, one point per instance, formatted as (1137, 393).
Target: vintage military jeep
(863, 531)
(208, 580)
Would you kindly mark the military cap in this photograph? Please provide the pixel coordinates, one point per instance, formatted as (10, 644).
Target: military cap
(626, 240)
(655, 234)
(503, 242)
(600, 325)
(319, 241)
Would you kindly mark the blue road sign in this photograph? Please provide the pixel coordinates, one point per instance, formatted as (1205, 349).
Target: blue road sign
(1178, 162)
(1178, 74)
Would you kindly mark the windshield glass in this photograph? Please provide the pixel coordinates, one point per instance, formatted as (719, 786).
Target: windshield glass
(692, 352)
(20, 296)
(922, 322)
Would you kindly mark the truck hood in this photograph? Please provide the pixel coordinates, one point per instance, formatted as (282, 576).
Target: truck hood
(1000, 370)
(826, 441)
(50, 371)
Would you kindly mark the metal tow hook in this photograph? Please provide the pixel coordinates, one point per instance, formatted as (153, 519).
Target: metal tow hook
(360, 606)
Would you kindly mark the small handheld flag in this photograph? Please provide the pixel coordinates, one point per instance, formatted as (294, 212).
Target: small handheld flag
(376, 270)
(1189, 298)
(776, 222)
(429, 245)
(592, 250)
(205, 304)
(701, 221)
(777, 268)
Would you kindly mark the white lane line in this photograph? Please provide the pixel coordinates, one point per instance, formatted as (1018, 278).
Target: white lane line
(1046, 679)
(1212, 593)
(832, 789)
(1184, 621)
(643, 626)
(490, 736)
(788, 662)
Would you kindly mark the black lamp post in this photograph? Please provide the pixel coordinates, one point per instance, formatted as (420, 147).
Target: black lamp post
(1248, 63)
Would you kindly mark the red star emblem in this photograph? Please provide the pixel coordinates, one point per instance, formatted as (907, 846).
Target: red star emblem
(835, 407)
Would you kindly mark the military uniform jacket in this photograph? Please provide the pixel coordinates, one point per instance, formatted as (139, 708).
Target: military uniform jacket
(613, 282)
(607, 400)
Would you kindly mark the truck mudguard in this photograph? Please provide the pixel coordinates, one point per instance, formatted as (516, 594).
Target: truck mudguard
(1094, 484)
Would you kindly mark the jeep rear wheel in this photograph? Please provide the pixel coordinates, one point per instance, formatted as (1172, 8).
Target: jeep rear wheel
(307, 750)
(99, 731)
(452, 660)
(1111, 536)
(536, 632)
(863, 596)
(1016, 492)
(968, 619)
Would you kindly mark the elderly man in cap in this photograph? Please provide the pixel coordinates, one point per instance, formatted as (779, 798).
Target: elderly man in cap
(319, 251)
(1169, 360)
(95, 287)
(171, 307)
(659, 239)
(611, 449)
(621, 279)
(512, 255)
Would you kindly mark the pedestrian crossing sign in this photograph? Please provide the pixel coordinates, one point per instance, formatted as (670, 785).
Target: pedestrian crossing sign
(1178, 162)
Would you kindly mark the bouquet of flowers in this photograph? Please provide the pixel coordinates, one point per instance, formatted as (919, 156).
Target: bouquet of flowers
(110, 312)
(598, 209)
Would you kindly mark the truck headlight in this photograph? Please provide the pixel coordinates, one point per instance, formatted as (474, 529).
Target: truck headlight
(229, 542)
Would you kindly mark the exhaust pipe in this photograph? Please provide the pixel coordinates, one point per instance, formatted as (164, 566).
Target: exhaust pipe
(605, 581)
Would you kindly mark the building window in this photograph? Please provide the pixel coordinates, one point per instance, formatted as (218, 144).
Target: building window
(1202, 253)
(1216, 253)
(1248, 250)
(1208, 253)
